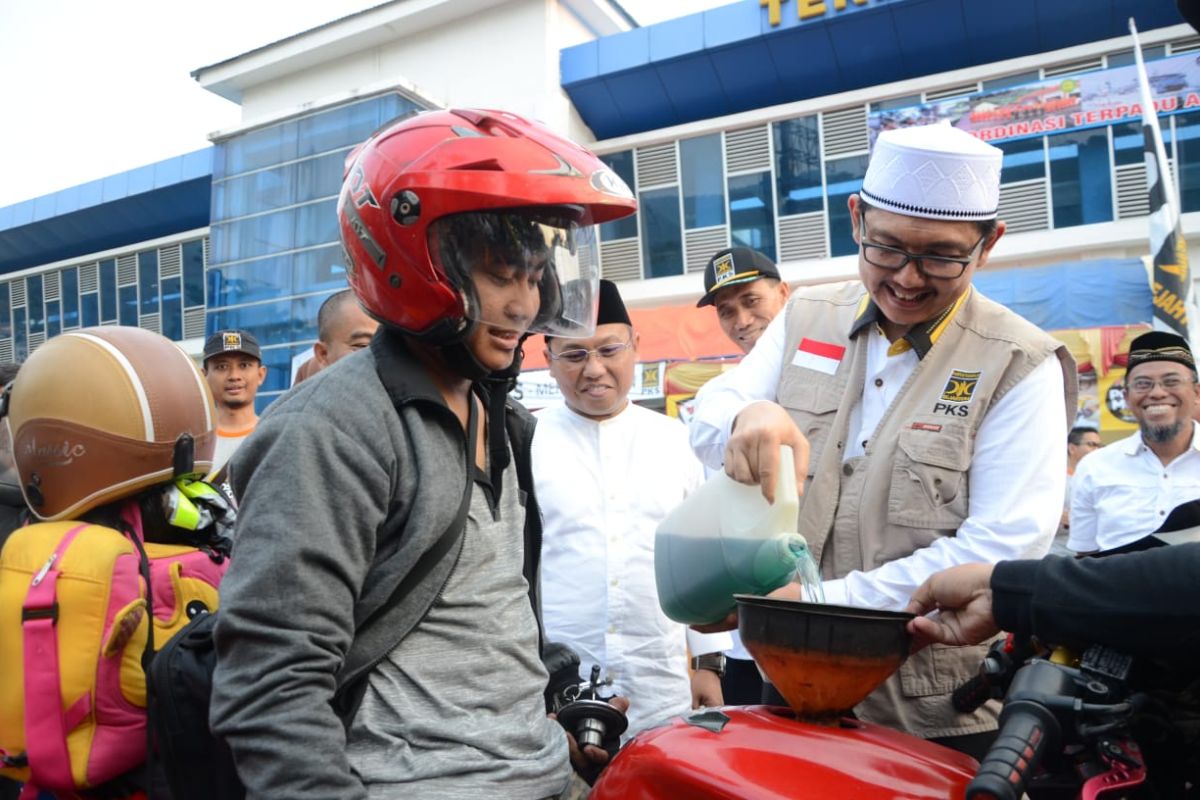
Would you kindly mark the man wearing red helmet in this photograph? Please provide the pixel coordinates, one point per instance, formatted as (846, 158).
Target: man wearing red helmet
(380, 633)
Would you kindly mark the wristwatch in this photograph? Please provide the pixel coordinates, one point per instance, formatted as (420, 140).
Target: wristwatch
(713, 662)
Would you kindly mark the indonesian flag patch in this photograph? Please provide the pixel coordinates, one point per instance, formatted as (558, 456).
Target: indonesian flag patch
(821, 356)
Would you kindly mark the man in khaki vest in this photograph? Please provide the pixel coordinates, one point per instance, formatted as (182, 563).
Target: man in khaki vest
(927, 420)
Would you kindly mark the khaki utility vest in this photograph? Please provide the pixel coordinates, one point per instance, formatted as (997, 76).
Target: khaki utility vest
(912, 484)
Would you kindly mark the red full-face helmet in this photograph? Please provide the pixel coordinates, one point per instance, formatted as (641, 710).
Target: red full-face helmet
(428, 199)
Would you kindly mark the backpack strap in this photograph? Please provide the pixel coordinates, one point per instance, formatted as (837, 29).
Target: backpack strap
(351, 686)
(46, 723)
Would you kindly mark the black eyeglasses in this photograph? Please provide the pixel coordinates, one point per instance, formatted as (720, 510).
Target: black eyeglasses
(579, 356)
(1170, 383)
(931, 266)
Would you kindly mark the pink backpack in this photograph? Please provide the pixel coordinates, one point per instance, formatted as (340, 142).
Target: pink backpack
(74, 639)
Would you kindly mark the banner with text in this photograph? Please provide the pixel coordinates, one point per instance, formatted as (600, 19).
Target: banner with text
(1057, 105)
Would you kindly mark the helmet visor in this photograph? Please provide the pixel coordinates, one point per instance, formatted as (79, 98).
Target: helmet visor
(528, 271)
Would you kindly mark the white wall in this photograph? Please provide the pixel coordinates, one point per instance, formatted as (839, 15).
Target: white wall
(504, 56)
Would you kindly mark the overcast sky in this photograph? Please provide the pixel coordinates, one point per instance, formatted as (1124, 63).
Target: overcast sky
(92, 88)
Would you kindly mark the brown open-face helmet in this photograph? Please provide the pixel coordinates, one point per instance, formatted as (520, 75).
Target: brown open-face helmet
(101, 413)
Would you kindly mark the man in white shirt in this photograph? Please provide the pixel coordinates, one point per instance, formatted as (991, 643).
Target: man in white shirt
(606, 472)
(927, 420)
(1124, 492)
(745, 288)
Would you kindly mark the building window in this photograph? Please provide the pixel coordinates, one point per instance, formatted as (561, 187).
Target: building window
(1024, 160)
(798, 166)
(662, 239)
(1080, 177)
(148, 281)
(129, 305)
(172, 309)
(89, 305)
(70, 297)
(626, 227)
(700, 161)
(193, 273)
(1187, 158)
(1033, 76)
(20, 337)
(1129, 145)
(843, 177)
(33, 302)
(751, 213)
(1125, 57)
(108, 290)
(53, 318)
(6, 326)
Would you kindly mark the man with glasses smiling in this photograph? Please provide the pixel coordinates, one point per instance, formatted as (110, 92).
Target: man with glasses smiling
(1124, 492)
(606, 472)
(926, 420)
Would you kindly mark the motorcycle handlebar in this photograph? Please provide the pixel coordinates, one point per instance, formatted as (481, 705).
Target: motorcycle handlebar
(1027, 729)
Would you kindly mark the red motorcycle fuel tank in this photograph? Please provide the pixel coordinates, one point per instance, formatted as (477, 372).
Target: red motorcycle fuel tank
(767, 753)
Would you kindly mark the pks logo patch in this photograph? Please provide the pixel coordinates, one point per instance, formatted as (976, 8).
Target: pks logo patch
(723, 269)
(960, 387)
(956, 396)
(232, 341)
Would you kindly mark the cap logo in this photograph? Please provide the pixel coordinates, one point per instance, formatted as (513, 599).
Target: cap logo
(231, 340)
(608, 182)
(723, 269)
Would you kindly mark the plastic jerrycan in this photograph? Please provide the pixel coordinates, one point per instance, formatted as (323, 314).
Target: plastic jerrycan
(726, 539)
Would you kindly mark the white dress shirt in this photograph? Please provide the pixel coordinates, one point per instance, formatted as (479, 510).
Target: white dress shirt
(1122, 492)
(603, 487)
(1017, 473)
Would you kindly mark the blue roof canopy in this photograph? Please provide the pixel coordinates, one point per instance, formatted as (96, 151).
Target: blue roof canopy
(731, 59)
(155, 200)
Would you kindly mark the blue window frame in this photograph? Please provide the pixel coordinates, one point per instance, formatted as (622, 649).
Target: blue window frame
(843, 177)
(798, 166)
(108, 291)
(172, 309)
(193, 273)
(148, 281)
(752, 213)
(1080, 177)
(703, 178)
(129, 305)
(20, 337)
(248, 281)
(69, 293)
(6, 326)
(53, 318)
(1129, 145)
(626, 227)
(319, 268)
(89, 306)
(662, 237)
(1024, 159)
(34, 303)
(1187, 158)
(289, 320)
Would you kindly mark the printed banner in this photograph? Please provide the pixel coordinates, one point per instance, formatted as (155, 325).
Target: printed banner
(1057, 105)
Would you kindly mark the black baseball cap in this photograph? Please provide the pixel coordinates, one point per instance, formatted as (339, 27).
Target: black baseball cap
(732, 266)
(232, 341)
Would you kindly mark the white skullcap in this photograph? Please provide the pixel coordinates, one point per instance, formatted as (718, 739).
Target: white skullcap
(934, 171)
